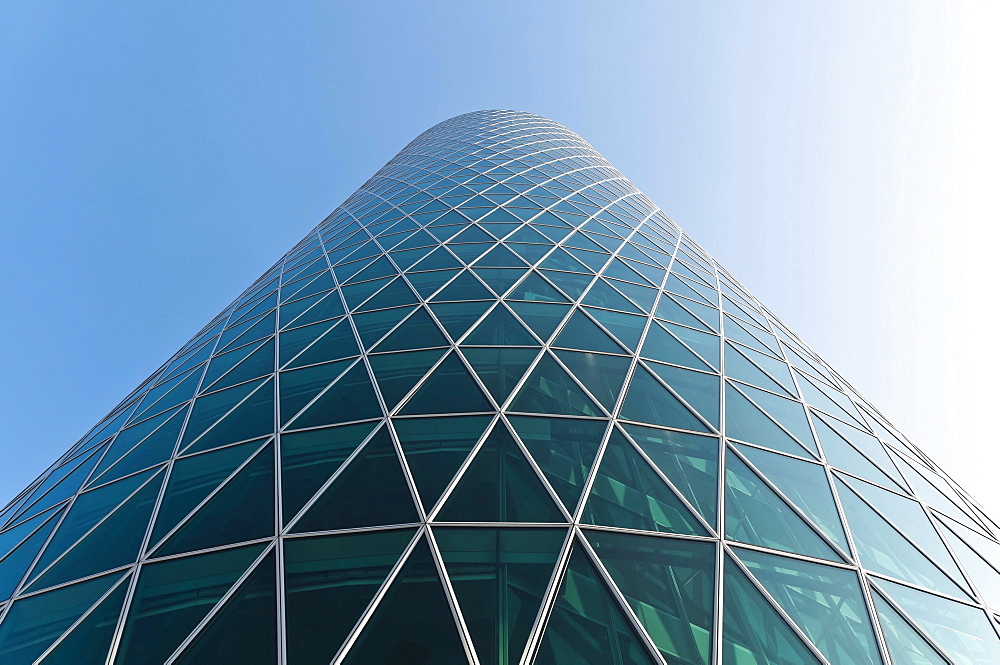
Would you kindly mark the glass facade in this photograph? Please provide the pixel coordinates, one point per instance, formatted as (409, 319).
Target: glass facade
(497, 409)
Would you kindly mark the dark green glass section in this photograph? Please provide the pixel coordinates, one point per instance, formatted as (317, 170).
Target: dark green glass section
(549, 389)
(661, 345)
(448, 389)
(746, 422)
(253, 418)
(15, 564)
(670, 586)
(154, 449)
(328, 583)
(128, 438)
(500, 328)
(906, 645)
(582, 333)
(297, 388)
(395, 294)
(572, 284)
(535, 289)
(242, 509)
(791, 415)
(698, 389)
(465, 287)
(755, 514)
(825, 602)
(370, 491)
(564, 449)
(292, 342)
(601, 374)
(843, 455)
(397, 373)
(458, 317)
(309, 458)
(172, 596)
(335, 344)
(34, 623)
(704, 344)
(417, 332)
(587, 625)
(194, 478)
(435, 447)
(542, 317)
(89, 642)
(257, 364)
(627, 493)
(741, 369)
(350, 398)
(691, 462)
(500, 368)
(753, 632)
(60, 485)
(372, 326)
(397, 634)
(245, 628)
(500, 486)
(499, 577)
(498, 279)
(647, 401)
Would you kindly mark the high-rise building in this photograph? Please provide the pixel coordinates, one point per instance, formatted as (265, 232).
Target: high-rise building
(497, 409)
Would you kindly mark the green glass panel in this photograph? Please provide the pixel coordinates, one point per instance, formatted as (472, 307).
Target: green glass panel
(154, 449)
(470, 252)
(500, 328)
(500, 486)
(373, 325)
(355, 294)
(643, 296)
(691, 462)
(34, 623)
(626, 327)
(561, 260)
(435, 448)
(753, 632)
(602, 375)
(543, 318)
(208, 409)
(791, 415)
(500, 257)
(549, 389)
(535, 289)
(906, 645)
(328, 583)
(746, 422)
(253, 418)
(822, 397)
(883, 549)
(426, 283)
(984, 576)
(582, 333)
(661, 345)
(114, 542)
(89, 642)
(756, 515)
(499, 577)
(669, 584)
(805, 485)
(841, 454)
(370, 491)
(417, 332)
(963, 632)
(397, 373)
(571, 283)
(397, 634)
(498, 279)
(530, 253)
(448, 389)
(336, 344)
(500, 368)
(310, 310)
(292, 342)
(176, 391)
(564, 449)
(395, 294)
(741, 369)
(309, 458)
(587, 624)
(458, 317)
(627, 493)
(243, 509)
(13, 536)
(62, 486)
(15, 564)
(380, 267)
(257, 364)
(602, 295)
(825, 602)
(165, 608)
(647, 401)
(128, 438)
(670, 310)
(350, 398)
(244, 630)
(698, 389)
(194, 478)
(464, 287)
(299, 387)
(704, 344)
(472, 234)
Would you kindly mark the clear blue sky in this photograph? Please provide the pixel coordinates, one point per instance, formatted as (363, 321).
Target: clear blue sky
(157, 157)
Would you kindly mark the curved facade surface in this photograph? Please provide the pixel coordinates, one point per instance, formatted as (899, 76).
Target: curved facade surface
(497, 409)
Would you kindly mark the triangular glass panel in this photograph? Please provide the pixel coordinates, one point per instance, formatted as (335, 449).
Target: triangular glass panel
(543, 318)
(976, 564)
(499, 279)
(741, 369)
(292, 342)
(373, 325)
(698, 389)
(458, 317)
(755, 514)
(156, 623)
(867, 444)
(549, 389)
(704, 344)
(464, 287)
(531, 254)
(252, 418)
(602, 295)
(746, 422)
(571, 283)
(582, 333)
(397, 634)
(670, 310)
(587, 624)
(500, 257)
(448, 389)
(535, 289)
(472, 233)
(499, 486)
(753, 632)
(336, 344)
(906, 645)
(564, 449)
(789, 414)
(426, 283)
(435, 448)
(439, 259)
(647, 401)
(328, 583)
(825, 602)
(628, 493)
(88, 643)
(626, 327)
(127, 439)
(468, 254)
(500, 328)
(154, 449)
(370, 490)
(210, 409)
(500, 368)
(243, 509)
(805, 485)
(243, 629)
(259, 363)
(499, 577)
(350, 398)
(601, 374)
(661, 345)
(669, 584)
(356, 294)
(417, 332)
(15, 562)
(397, 373)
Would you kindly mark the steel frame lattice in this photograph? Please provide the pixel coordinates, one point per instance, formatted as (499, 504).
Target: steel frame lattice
(497, 406)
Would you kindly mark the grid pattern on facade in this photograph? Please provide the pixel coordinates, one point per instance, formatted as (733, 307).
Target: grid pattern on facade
(497, 408)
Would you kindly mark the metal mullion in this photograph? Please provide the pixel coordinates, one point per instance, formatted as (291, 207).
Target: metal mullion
(452, 599)
(460, 473)
(548, 599)
(538, 471)
(885, 598)
(665, 535)
(737, 384)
